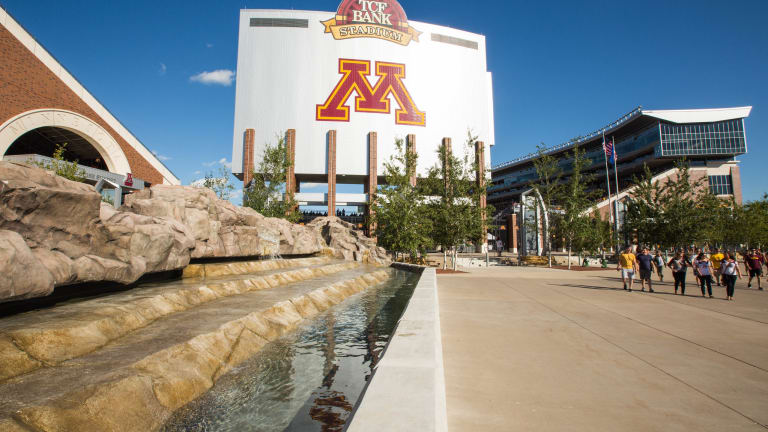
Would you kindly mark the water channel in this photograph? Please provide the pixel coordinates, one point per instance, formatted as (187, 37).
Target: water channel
(311, 379)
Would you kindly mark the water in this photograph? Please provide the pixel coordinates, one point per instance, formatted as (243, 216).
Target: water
(311, 379)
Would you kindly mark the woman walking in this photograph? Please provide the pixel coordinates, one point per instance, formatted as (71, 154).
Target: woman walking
(730, 271)
(704, 267)
(658, 261)
(679, 265)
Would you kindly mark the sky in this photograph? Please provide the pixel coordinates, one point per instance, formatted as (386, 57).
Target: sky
(561, 69)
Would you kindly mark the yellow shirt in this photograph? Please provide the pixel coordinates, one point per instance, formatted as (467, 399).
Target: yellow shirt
(627, 261)
(716, 259)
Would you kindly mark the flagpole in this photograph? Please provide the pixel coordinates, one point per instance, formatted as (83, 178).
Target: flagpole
(616, 202)
(608, 182)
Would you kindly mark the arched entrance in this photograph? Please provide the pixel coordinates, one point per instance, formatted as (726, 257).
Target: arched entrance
(44, 141)
(39, 131)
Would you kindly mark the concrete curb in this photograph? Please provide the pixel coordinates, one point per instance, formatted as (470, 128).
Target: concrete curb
(407, 390)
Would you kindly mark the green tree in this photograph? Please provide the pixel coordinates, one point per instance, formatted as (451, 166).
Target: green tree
(266, 192)
(454, 206)
(574, 222)
(547, 185)
(643, 217)
(219, 183)
(399, 212)
(61, 167)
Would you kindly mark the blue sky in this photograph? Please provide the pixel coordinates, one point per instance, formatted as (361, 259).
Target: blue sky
(561, 68)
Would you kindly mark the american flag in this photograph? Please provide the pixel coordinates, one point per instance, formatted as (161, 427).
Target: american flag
(609, 150)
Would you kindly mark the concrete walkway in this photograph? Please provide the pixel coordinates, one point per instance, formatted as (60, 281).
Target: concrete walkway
(553, 350)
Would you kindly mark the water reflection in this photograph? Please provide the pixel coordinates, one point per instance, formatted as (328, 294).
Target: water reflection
(309, 380)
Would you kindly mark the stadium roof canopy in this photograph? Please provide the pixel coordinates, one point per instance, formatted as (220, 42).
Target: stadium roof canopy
(642, 118)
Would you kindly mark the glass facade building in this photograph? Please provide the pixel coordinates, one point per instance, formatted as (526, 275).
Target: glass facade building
(717, 138)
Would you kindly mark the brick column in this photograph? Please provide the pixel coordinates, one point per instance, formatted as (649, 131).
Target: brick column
(446, 160)
(736, 184)
(248, 141)
(331, 173)
(290, 178)
(373, 181)
(290, 149)
(512, 233)
(410, 148)
(480, 180)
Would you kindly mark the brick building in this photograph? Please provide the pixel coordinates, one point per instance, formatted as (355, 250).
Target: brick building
(43, 106)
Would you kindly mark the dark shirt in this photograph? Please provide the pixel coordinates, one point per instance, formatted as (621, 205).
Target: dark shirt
(644, 261)
(754, 262)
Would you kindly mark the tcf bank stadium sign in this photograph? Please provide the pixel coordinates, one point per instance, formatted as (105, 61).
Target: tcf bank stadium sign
(372, 19)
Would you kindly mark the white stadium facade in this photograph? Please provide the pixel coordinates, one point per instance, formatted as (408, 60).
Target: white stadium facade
(342, 86)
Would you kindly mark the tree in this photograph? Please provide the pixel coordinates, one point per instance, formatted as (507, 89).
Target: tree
(547, 186)
(574, 223)
(62, 167)
(678, 213)
(454, 206)
(643, 217)
(266, 192)
(399, 212)
(219, 183)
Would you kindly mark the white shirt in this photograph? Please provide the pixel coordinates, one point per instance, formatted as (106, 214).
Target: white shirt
(728, 268)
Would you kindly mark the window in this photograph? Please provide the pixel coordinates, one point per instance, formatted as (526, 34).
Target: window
(279, 22)
(720, 185)
(720, 138)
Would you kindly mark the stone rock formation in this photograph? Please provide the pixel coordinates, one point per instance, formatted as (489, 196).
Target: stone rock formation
(221, 229)
(56, 232)
(70, 236)
(347, 243)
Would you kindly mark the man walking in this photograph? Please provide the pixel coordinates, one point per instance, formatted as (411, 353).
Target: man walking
(716, 258)
(628, 265)
(499, 246)
(754, 261)
(645, 263)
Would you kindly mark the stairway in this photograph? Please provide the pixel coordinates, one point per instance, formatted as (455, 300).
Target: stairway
(126, 361)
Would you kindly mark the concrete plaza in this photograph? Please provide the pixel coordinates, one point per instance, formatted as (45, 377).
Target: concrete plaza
(555, 350)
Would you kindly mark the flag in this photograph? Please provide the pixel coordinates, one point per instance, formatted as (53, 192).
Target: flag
(610, 150)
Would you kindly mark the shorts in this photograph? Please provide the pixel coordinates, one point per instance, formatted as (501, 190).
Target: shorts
(645, 274)
(627, 274)
(756, 272)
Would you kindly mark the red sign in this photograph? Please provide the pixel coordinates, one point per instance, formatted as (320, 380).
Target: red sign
(128, 179)
(383, 19)
(371, 99)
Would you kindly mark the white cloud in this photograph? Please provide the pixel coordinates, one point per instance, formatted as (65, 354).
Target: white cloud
(198, 172)
(209, 45)
(222, 161)
(161, 157)
(223, 77)
(163, 69)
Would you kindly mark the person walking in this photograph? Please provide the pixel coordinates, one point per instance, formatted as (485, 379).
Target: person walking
(704, 267)
(658, 261)
(716, 257)
(645, 264)
(753, 262)
(730, 270)
(628, 265)
(694, 264)
(499, 246)
(679, 265)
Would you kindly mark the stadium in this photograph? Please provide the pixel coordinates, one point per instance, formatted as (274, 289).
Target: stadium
(342, 86)
(709, 139)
